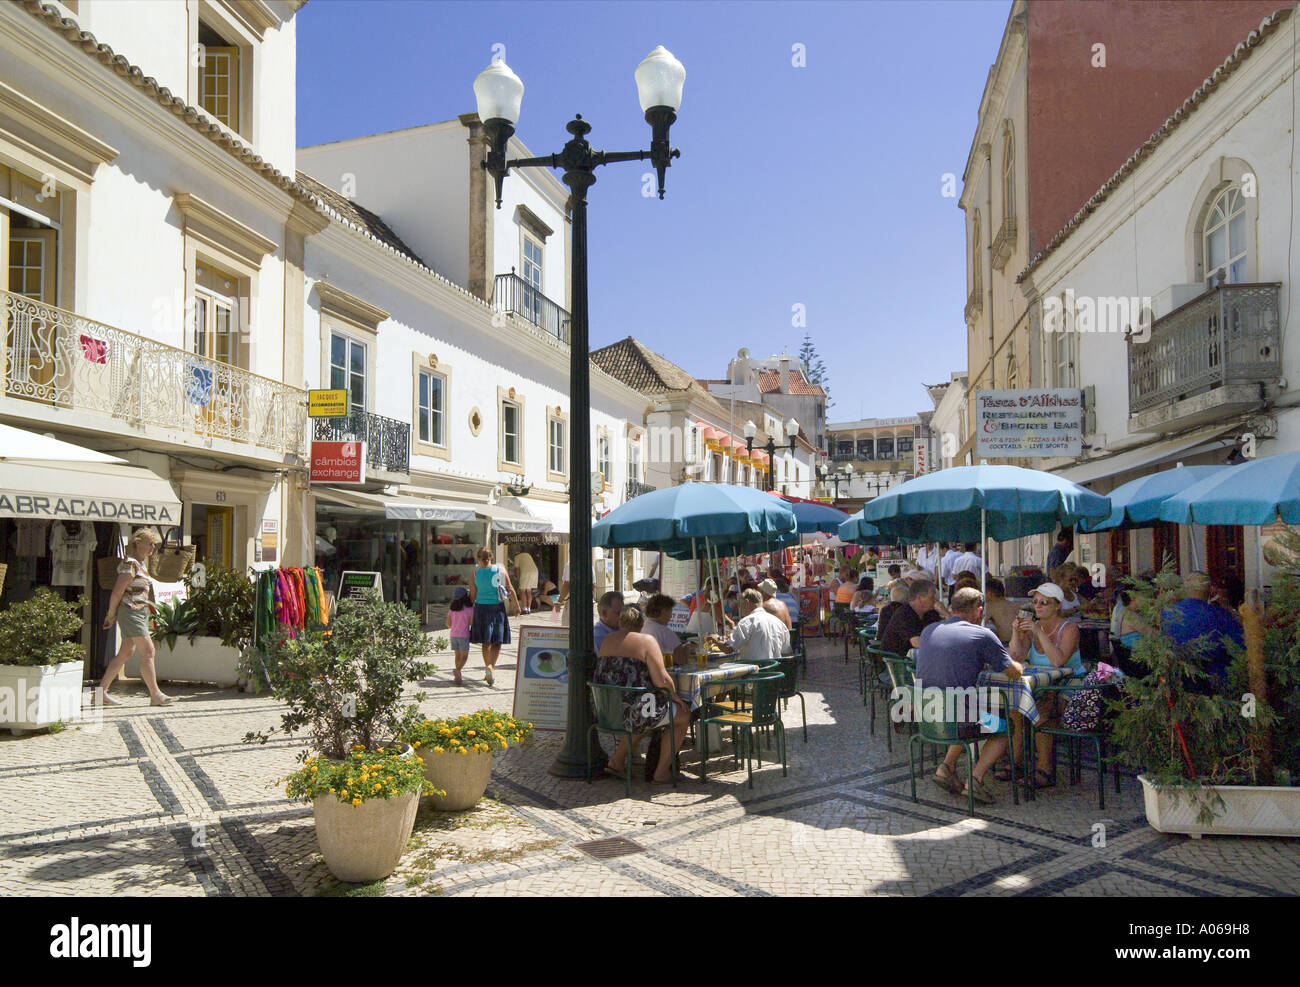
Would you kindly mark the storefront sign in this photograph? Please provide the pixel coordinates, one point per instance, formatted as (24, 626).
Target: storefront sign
(170, 593)
(1024, 424)
(542, 683)
(882, 569)
(327, 403)
(547, 538)
(679, 618)
(356, 583)
(338, 462)
(52, 506)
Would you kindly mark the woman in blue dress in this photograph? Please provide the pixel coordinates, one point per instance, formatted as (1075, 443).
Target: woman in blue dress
(491, 627)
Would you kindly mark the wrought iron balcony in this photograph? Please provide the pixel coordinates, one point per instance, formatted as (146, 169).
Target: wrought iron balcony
(514, 295)
(974, 304)
(388, 441)
(60, 360)
(635, 488)
(1225, 340)
(1004, 244)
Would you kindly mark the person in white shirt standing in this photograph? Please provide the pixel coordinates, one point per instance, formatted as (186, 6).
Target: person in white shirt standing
(758, 634)
(946, 575)
(968, 561)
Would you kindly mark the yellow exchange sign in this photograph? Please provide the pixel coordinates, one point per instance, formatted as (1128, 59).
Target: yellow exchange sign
(327, 404)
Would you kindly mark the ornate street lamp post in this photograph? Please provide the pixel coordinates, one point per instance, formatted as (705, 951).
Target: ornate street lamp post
(751, 430)
(499, 93)
(837, 478)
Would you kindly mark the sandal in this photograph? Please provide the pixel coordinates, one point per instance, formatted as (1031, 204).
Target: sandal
(983, 795)
(1003, 773)
(1042, 779)
(946, 779)
(615, 773)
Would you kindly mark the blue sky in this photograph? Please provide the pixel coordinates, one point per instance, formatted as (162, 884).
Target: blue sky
(817, 185)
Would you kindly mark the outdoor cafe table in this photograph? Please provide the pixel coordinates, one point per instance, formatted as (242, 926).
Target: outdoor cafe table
(1020, 693)
(693, 681)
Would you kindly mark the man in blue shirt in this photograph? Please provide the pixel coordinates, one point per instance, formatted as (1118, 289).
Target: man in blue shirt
(609, 608)
(950, 657)
(1205, 628)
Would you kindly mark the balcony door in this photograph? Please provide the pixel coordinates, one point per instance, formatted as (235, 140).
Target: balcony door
(215, 344)
(532, 300)
(1225, 554)
(30, 339)
(1165, 542)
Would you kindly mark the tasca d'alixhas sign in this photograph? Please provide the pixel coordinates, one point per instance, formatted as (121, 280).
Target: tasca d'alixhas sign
(1026, 424)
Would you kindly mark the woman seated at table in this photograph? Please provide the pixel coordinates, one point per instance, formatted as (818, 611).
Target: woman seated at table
(631, 659)
(658, 611)
(864, 599)
(1048, 640)
(1065, 579)
(1128, 631)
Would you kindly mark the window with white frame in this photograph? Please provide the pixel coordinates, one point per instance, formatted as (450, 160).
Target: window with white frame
(1008, 173)
(603, 456)
(1224, 240)
(1062, 356)
(556, 445)
(431, 408)
(216, 314)
(532, 280)
(634, 459)
(348, 369)
(977, 274)
(219, 65)
(511, 439)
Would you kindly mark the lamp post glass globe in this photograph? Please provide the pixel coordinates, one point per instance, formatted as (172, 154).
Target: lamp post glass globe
(659, 80)
(499, 93)
(750, 430)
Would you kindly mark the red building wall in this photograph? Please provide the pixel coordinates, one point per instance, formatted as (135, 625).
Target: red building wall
(1085, 121)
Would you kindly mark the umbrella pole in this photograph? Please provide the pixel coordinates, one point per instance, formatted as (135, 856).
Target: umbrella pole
(701, 602)
(984, 564)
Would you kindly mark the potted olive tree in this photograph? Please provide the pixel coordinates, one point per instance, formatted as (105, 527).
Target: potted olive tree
(1216, 756)
(343, 689)
(40, 667)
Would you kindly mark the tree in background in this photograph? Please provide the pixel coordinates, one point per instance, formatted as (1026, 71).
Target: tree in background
(814, 366)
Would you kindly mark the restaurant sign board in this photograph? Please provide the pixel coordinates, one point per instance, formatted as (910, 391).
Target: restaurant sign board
(338, 462)
(1029, 423)
(542, 680)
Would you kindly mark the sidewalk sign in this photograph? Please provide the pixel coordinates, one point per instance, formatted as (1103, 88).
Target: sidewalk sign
(356, 582)
(542, 677)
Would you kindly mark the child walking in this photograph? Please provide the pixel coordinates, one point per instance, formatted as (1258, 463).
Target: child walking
(459, 616)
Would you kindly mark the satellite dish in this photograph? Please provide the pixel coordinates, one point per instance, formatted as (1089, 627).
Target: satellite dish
(743, 353)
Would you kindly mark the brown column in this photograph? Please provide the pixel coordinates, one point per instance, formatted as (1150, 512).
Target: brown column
(481, 205)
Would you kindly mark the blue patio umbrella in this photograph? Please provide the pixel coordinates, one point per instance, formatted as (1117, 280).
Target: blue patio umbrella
(860, 532)
(1138, 502)
(1255, 492)
(730, 519)
(817, 517)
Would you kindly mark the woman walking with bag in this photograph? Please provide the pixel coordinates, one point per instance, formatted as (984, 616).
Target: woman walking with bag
(131, 592)
(491, 628)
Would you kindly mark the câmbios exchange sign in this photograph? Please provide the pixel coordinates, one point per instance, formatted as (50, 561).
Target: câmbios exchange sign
(1024, 424)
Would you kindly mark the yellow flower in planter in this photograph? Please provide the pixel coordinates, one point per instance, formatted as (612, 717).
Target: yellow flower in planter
(439, 750)
(469, 733)
(416, 744)
(356, 801)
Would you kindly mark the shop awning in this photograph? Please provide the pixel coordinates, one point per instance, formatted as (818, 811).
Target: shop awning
(543, 510)
(395, 506)
(510, 521)
(1193, 443)
(19, 445)
(86, 491)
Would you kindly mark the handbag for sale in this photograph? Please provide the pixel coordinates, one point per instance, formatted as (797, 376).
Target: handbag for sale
(169, 563)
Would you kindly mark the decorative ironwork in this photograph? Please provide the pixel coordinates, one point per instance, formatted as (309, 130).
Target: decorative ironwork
(388, 441)
(1229, 335)
(65, 360)
(516, 296)
(1004, 243)
(635, 488)
(974, 305)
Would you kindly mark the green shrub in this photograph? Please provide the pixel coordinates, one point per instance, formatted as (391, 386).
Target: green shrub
(223, 605)
(37, 631)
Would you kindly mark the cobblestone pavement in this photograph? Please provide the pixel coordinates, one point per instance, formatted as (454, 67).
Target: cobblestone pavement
(172, 801)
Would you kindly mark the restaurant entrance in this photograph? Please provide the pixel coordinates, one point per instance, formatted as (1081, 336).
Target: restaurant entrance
(1225, 556)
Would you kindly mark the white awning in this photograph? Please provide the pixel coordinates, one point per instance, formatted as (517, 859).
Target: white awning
(86, 491)
(510, 521)
(395, 506)
(1202, 440)
(544, 510)
(19, 445)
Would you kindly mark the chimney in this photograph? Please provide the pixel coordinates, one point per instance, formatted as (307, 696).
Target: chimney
(785, 375)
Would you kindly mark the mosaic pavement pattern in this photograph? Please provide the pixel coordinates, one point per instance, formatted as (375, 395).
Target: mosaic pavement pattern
(171, 801)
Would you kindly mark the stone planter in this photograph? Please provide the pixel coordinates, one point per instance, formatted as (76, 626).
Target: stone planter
(205, 659)
(464, 777)
(34, 696)
(1247, 811)
(364, 843)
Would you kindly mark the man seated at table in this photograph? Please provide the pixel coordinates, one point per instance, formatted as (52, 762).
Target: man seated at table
(907, 622)
(658, 609)
(609, 607)
(1205, 628)
(785, 596)
(767, 589)
(1001, 611)
(951, 655)
(757, 635)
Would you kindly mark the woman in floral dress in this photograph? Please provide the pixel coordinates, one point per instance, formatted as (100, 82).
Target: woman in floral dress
(631, 659)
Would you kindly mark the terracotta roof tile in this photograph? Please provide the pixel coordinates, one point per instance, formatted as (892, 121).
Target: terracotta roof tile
(358, 216)
(769, 382)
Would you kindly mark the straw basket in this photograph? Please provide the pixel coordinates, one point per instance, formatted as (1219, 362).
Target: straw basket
(3, 569)
(170, 562)
(106, 568)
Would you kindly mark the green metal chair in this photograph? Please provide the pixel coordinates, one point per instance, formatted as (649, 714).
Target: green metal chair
(798, 648)
(842, 618)
(764, 692)
(790, 690)
(1075, 740)
(609, 702)
(939, 732)
(872, 667)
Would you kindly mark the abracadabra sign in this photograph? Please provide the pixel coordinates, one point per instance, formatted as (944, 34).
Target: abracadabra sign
(1024, 424)
(37, 506)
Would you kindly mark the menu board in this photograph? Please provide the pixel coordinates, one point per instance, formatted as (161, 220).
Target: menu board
(810, 621)
(678, 579)
(542, 681)
(356, 582)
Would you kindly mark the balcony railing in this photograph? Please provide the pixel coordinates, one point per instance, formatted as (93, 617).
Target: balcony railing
(974, 304)
(65, 361)
(1229, 335)
(1004, 244)
(635, 488)
(514, 295)
(388, 441)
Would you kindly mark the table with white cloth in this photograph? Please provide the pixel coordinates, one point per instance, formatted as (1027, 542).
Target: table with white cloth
(1020, 693)
(695, 684)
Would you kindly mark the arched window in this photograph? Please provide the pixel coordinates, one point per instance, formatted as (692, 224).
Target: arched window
(977, 275)
(1224, 238)
(1008, 172)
